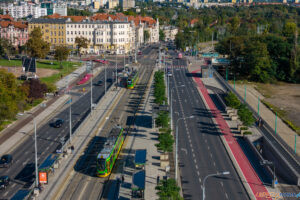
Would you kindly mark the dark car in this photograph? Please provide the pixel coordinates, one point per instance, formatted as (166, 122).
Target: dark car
(57, 123)
(99, 83)
(4, 182)
(6, 160)
(139, 53)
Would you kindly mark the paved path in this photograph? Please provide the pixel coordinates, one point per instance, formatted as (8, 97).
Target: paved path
(144, 138)
(286, 133)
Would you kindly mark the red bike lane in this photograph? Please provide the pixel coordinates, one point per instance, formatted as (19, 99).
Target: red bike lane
(257, 187)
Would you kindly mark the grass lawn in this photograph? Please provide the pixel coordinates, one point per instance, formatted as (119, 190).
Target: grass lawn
(68, 67)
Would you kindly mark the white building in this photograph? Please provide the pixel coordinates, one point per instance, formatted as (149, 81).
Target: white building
(170, 32)
(60, 9)
(24, 10)
(102, 35)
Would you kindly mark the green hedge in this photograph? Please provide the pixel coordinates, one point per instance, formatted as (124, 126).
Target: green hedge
(159, 88)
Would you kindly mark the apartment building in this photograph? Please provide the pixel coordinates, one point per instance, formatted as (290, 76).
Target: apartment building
(115, 36)
(53, 30)
(24, 9)
(15, 32)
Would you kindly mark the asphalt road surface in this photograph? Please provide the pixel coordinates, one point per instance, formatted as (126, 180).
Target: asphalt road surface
(201, 151)
(22, 172)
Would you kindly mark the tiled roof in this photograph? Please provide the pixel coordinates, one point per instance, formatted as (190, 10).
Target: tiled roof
(6, 17)
(20, 25)
(121, 17)
(193, 21)
(73, 18)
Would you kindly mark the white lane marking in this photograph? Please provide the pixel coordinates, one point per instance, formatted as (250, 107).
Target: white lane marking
(47, 148)
(222, 184)
(208, 147)
(190, 140)
(214, 164)
(196, 166)
(198, 173)
(182, 149)
(210, 155)
(192, 150)
(5, 193)
(194, 160)
(193, 155)
(205, 141)
(200, 181)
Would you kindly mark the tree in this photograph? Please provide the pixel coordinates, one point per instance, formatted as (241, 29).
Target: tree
(167, 189)
(232, 100)
(6, 48)
(61, 53)
(166, 142)
(76, 12)
(161, 35)
(1, 11)
(146, 35)
(162, 119)
(81, 43)
(245, 115)
(13, 96)
(289, 29)
(36, 46)
(36, 89)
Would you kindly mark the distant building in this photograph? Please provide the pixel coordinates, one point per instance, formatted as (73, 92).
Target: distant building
(49, 6)
(54, 30)
(15, 32)
(126, 4)
(170, 32)
(24, 10)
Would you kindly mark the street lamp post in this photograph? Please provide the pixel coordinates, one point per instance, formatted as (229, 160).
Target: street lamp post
(92, 88)
(210, 175)
(35, 153)
(176, 146)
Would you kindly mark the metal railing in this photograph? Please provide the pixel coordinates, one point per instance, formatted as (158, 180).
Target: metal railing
(277, 142)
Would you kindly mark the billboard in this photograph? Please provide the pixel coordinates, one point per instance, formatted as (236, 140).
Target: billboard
(43, 177)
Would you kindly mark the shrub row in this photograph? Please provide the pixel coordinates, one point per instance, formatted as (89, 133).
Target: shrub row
(159, 88)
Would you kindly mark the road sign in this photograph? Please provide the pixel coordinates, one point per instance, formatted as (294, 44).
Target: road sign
(43, 177)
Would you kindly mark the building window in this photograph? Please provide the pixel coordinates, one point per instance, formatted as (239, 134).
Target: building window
(71, 32)
(79, 26)
(75, 25)
(62, 40)
(54, 40)
(86, 26)
(68, 40)
(75, 32)
(51, 40)
(67, 32)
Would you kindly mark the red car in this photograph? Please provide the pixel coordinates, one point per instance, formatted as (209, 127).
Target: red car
(139, 53)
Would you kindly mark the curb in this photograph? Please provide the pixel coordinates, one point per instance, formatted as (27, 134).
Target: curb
(67, 177)
(228, 150)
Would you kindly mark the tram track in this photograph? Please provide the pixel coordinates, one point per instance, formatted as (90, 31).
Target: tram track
(84, 184)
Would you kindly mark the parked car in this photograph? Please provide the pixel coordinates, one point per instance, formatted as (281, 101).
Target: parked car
(169, 73)
(99, 83)
(57, 123)
(140, 53)
(6, 160)
(4, 182)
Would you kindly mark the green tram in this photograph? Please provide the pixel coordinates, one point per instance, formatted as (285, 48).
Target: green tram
(132, 79)
(109, 154)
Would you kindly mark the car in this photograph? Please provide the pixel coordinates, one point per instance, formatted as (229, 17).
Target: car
(6, 160)
(57, 123)
(139, 53)
(169, 73)
(4, 182)
(99, 83)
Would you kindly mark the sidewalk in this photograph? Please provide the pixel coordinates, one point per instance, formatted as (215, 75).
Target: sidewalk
(250, 179)
(80, 139)
(144, 138)
(286, 133)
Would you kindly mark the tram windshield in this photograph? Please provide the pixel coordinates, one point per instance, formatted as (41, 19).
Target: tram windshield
(101, 164)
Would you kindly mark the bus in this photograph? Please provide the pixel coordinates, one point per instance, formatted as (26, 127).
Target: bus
(132, 79)
(109, 154)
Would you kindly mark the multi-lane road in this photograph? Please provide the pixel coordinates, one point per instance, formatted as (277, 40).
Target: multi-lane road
(201, 151)
(48, 138)
(22, 172)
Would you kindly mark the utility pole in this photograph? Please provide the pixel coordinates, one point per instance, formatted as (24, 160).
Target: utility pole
(92, 89)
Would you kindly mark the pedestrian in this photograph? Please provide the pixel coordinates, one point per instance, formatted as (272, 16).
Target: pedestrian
(157, 180)
(123, 179)
(72, 149)
(259, 122)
